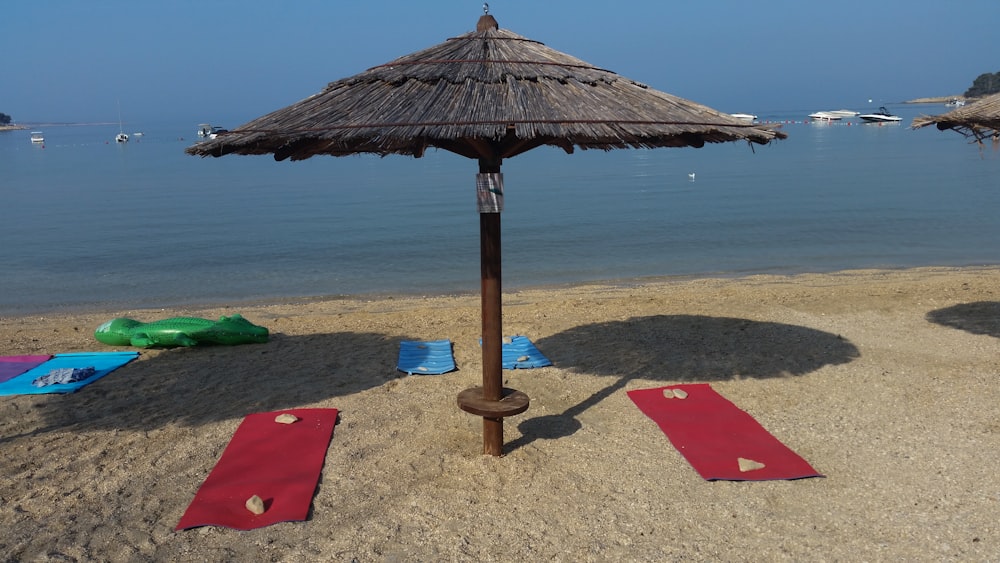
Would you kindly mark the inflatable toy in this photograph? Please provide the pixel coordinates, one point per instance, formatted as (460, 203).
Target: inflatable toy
(180, 331)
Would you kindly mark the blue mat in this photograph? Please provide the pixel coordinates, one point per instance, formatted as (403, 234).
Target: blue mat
(425, 358)
(102, 362)
(520, 353)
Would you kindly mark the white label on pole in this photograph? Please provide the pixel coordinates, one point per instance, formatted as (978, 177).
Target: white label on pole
(489, 190)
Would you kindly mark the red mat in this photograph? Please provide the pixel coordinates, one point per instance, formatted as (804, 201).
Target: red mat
(717, 438)
(280, 463)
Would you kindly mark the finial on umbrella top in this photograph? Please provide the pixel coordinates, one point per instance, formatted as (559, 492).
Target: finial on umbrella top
(486, 21)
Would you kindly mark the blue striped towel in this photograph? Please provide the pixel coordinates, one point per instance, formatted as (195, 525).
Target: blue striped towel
(520, 353)
(425, 358)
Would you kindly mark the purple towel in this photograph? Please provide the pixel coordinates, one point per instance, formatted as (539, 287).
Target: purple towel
(13, 366)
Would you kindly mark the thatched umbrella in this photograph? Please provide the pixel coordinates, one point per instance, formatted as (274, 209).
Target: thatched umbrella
(487, 95)
(978, 120)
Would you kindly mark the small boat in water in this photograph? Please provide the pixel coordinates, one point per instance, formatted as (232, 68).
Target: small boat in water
(955, 103)
(210, 131)
(844, 112)
(749, 118)
(880, 116)
(122, 136)
(37, 137)
(833, 115)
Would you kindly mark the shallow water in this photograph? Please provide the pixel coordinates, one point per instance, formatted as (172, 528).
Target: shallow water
(89, 223)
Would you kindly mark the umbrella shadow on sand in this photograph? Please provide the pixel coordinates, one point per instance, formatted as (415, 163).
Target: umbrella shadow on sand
(204, 384)
(980, 317)
(680, 348)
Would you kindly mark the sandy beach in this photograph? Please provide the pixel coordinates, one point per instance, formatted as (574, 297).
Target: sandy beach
(885, 381)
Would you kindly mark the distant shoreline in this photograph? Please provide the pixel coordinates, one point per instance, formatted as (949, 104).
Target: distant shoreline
(935, 100)
(40, 125)
(928, 100)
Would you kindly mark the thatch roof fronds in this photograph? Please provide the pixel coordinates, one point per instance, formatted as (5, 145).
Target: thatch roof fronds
(486, 94)
(979, 119)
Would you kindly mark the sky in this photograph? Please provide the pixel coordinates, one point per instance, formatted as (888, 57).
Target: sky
(229, 61)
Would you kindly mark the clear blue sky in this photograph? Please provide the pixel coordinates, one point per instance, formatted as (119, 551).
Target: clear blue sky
(228, 61)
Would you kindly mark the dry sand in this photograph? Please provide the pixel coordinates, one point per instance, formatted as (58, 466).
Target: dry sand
(885, 381)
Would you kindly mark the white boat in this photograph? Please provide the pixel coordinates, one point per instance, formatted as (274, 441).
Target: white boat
(210, 131)
(833, 115)
(955, 103)
(37, 137)
(749, 118)
(122, 136)
(880, 116)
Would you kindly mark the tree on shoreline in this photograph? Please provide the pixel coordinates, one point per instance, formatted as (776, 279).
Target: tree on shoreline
(4, 119)
(984, 85)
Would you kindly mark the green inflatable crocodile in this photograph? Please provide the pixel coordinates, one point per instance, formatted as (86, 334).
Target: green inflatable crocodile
(180, 331)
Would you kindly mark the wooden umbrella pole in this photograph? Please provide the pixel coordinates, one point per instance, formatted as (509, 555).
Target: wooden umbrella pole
(492, 401)
(492, 312)
(492, 315)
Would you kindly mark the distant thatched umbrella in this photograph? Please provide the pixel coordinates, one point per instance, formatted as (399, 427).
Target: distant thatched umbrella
(978, 120)
(488, 95)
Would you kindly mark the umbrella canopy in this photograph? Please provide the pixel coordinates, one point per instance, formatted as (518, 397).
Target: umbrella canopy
(978, 119)
(489, 94)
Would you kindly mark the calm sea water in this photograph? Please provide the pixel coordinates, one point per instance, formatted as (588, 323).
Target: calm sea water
(88, 223)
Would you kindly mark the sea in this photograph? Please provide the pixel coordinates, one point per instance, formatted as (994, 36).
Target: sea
(89, 224)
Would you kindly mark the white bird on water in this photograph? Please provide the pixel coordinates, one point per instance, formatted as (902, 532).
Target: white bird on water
(691, 176)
